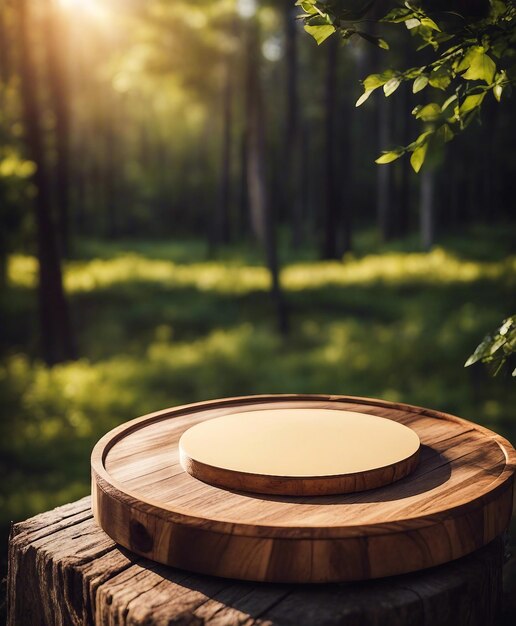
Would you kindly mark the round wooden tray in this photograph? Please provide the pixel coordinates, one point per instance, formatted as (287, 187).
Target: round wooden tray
(458, 499)
(299, 452)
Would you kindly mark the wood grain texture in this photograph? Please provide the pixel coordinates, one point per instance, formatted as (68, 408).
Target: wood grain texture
(304, 452)
(64, 570)
(457, 500)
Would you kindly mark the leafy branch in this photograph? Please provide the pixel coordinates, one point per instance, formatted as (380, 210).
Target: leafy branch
(497, 347)
(473, 58)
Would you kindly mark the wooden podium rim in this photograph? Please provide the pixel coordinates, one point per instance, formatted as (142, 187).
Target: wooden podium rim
(115, 490)
(457, 500)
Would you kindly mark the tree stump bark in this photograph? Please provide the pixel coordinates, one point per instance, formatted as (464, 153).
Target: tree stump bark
(65, 571)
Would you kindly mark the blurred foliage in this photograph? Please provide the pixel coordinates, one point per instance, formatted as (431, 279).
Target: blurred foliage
(497, 347)
(160, 326)
(478, 58)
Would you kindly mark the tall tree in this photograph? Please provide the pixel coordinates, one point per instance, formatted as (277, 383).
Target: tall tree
(404, 191)
(5, 46)
(292, 146)
(262, 219)
(5, 74)
(330, 248)
(427, 208)
(56, 44)
(54, 321)
(384, 182)
(243, 222)
(221, 226)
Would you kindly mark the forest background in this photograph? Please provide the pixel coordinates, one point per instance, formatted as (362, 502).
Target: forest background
(190, 209)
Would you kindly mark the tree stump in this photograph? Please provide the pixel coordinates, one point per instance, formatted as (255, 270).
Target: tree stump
(64, 570)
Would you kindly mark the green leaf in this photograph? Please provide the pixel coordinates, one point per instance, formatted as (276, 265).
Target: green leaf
(471, 359)
(363, 97)
(423, 137)
(478, 65)
(506, 326)
(420, 83)
(484, 68)
(411, 23)
(448, 101)
(395, 16)
(429, 38)
(320, 32)
(418, 157)
(307, 6)
(471, 102)
(440, 78)
(373, 81)
(381, 43)
(391, 85)
(429, 23)
(468, 58)
(488, 351)
(497, 344)
(429, 113)
(389, 157)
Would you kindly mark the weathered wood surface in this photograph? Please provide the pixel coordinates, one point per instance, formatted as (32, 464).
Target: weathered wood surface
(65, 571)
(458, 499)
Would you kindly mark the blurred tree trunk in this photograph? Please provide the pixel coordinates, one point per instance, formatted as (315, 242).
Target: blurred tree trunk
(402, 225)
(221, 227)
(305, 182)
(384, 172)
(5, 74)
(293, 155)
(56, 48)
(80, 185)
(5, 46)
(488, 161)
(346, 188)
(109, 174)
(256, 177)
(262, 219)
(55, 329)
(331, 205)
(83, 169)
(427, 207)
(451, 196)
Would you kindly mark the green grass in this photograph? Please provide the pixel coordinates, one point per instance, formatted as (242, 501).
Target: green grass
(160, 324)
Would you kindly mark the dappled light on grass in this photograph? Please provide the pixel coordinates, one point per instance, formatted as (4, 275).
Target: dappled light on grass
(396, 268)
(392, 268)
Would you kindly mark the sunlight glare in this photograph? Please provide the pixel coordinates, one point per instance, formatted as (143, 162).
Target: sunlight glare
(94, 8)
(247, 8)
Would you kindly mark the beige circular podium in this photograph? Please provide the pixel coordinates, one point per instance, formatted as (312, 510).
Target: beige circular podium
(299, 452)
